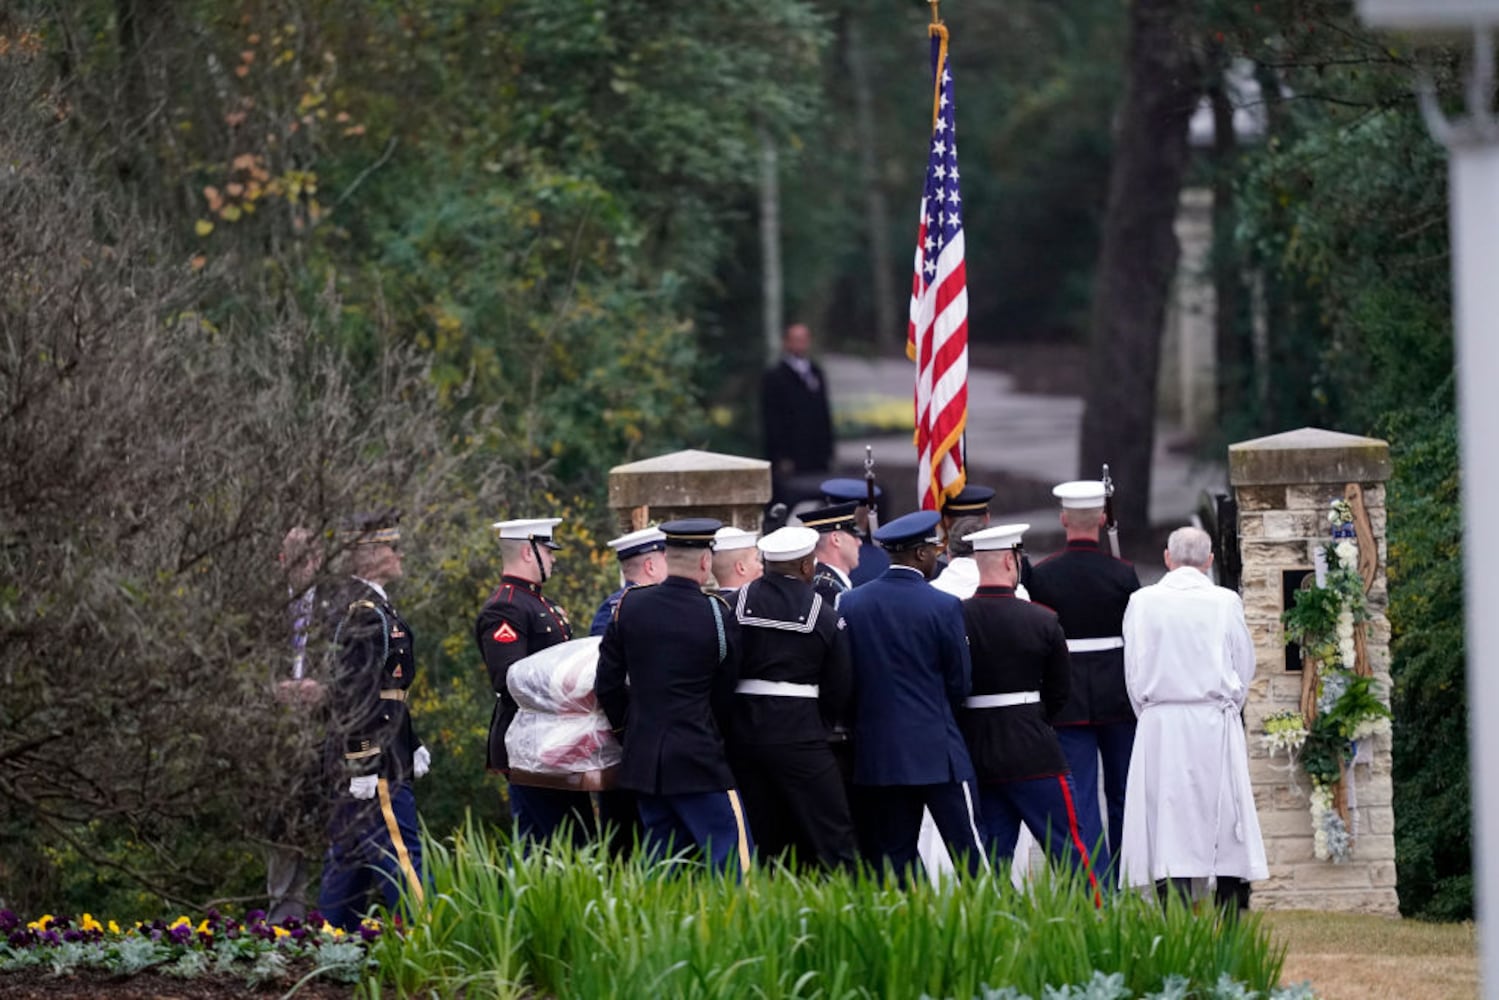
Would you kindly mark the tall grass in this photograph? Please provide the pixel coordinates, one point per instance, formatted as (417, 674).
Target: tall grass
(569, 923)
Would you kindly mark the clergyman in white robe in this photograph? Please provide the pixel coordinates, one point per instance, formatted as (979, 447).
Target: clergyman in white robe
(1188, 660)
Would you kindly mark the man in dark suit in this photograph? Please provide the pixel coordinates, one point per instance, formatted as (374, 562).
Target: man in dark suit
(795, 414)
(1021, 678)
(1089, 590)
(794, 677)
(667, 669)
(911, 669)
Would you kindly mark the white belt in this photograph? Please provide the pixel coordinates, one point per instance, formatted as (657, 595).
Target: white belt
(1095, 645)
(1005, 700)
(779, 689)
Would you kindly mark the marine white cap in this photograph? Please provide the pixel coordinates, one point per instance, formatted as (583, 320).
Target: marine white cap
(786, 544)
(527, 528)
(638, 542)
(1080, 494)
(726, 538)
(997, 538)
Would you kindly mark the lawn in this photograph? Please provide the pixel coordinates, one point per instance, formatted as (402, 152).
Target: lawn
(1356, 957)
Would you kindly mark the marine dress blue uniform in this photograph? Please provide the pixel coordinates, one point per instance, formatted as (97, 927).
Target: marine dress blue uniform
(911, 669)
(1089, 589)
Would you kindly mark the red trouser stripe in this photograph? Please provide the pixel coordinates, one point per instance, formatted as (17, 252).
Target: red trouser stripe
(1077, 840)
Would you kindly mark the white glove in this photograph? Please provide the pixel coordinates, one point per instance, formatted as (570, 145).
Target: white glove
(421, 762)
(364, 786)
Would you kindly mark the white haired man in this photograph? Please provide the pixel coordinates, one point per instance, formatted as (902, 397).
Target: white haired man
(1188, 660)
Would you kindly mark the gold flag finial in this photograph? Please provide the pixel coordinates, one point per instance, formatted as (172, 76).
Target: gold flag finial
(936, 6)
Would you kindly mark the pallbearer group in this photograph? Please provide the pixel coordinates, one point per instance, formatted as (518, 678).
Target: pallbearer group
(772, 701)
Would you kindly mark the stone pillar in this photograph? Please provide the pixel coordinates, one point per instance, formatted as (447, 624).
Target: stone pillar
(1284, 486)
(732, 489)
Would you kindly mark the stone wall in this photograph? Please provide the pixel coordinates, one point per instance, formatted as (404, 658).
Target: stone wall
(1284, 485)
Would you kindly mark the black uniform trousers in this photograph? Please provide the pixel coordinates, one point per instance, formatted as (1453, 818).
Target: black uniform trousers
(794, 799)
(896, 810)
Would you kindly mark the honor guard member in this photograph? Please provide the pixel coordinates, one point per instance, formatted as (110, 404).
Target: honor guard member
(515, 622)
(872, 559)
(667, 669)
(1021, 677)
(1089, 589)
(970, 501)
(641, 562)
(960, 576)
(839, 548)
(735, 560)
(911, 668)
(373, 836)
(793, 678)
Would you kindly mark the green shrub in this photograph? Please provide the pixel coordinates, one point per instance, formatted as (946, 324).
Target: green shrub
(567, 922)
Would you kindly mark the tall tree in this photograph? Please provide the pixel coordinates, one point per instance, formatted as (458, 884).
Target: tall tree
(1138, 258)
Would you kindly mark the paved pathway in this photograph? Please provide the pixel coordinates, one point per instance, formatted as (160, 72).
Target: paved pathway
(1031, 436)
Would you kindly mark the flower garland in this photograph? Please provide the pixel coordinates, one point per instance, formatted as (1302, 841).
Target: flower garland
(1321, 738)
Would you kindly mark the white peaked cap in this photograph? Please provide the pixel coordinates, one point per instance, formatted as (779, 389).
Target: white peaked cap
(726, 539)
(1080, 494)
(786, 544)
(638, 542)
(999, 537)
(527, 528)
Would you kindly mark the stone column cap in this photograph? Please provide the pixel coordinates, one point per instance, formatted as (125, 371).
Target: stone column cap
(1308, 455)
(690, 478)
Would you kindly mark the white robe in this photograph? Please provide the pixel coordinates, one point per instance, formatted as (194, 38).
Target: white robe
(1188, 806)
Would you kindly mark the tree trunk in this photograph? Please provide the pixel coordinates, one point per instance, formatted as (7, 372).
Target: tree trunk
(1137, 261)
(771, 283)
(876, 210)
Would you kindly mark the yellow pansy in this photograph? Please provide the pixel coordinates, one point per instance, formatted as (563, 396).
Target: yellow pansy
(88, 923)
(114, 928)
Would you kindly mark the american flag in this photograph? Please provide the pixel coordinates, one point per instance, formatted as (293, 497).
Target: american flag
(937, 334)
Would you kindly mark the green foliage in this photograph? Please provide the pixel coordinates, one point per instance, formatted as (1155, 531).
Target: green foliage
(1433, 836)
(570, 923)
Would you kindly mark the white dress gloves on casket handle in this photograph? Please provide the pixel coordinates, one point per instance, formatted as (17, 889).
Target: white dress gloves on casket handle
(421, 762)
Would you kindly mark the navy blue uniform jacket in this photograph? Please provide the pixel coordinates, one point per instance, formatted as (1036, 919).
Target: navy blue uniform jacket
(911, 668)
(666, 641)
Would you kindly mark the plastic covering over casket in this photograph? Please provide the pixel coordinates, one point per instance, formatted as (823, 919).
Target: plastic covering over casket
(560, 737)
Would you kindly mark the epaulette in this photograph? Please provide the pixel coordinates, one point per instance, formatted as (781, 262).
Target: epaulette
(362, 603)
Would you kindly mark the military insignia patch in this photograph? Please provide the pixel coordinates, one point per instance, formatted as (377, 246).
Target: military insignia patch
(842, 624)
(505, 633)
(396, 673)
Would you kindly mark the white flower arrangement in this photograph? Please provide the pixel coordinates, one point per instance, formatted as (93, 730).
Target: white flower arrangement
(1285, 732)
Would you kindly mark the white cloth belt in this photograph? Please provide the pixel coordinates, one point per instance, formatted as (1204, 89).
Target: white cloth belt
(1005, 700)
(1095, 645)
(778, 689)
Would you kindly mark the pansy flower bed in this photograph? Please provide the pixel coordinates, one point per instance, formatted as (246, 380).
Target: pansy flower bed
(248, 952)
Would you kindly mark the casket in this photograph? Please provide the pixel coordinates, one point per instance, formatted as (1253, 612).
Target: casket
(560, 738)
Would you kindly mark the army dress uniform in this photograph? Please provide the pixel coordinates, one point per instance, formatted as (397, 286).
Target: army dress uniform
(794, 676)
(1021, 678)
(373, 842)
(516, 621)
(666, 675)
(911, 669)
(1089, 589)
(872, 559)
